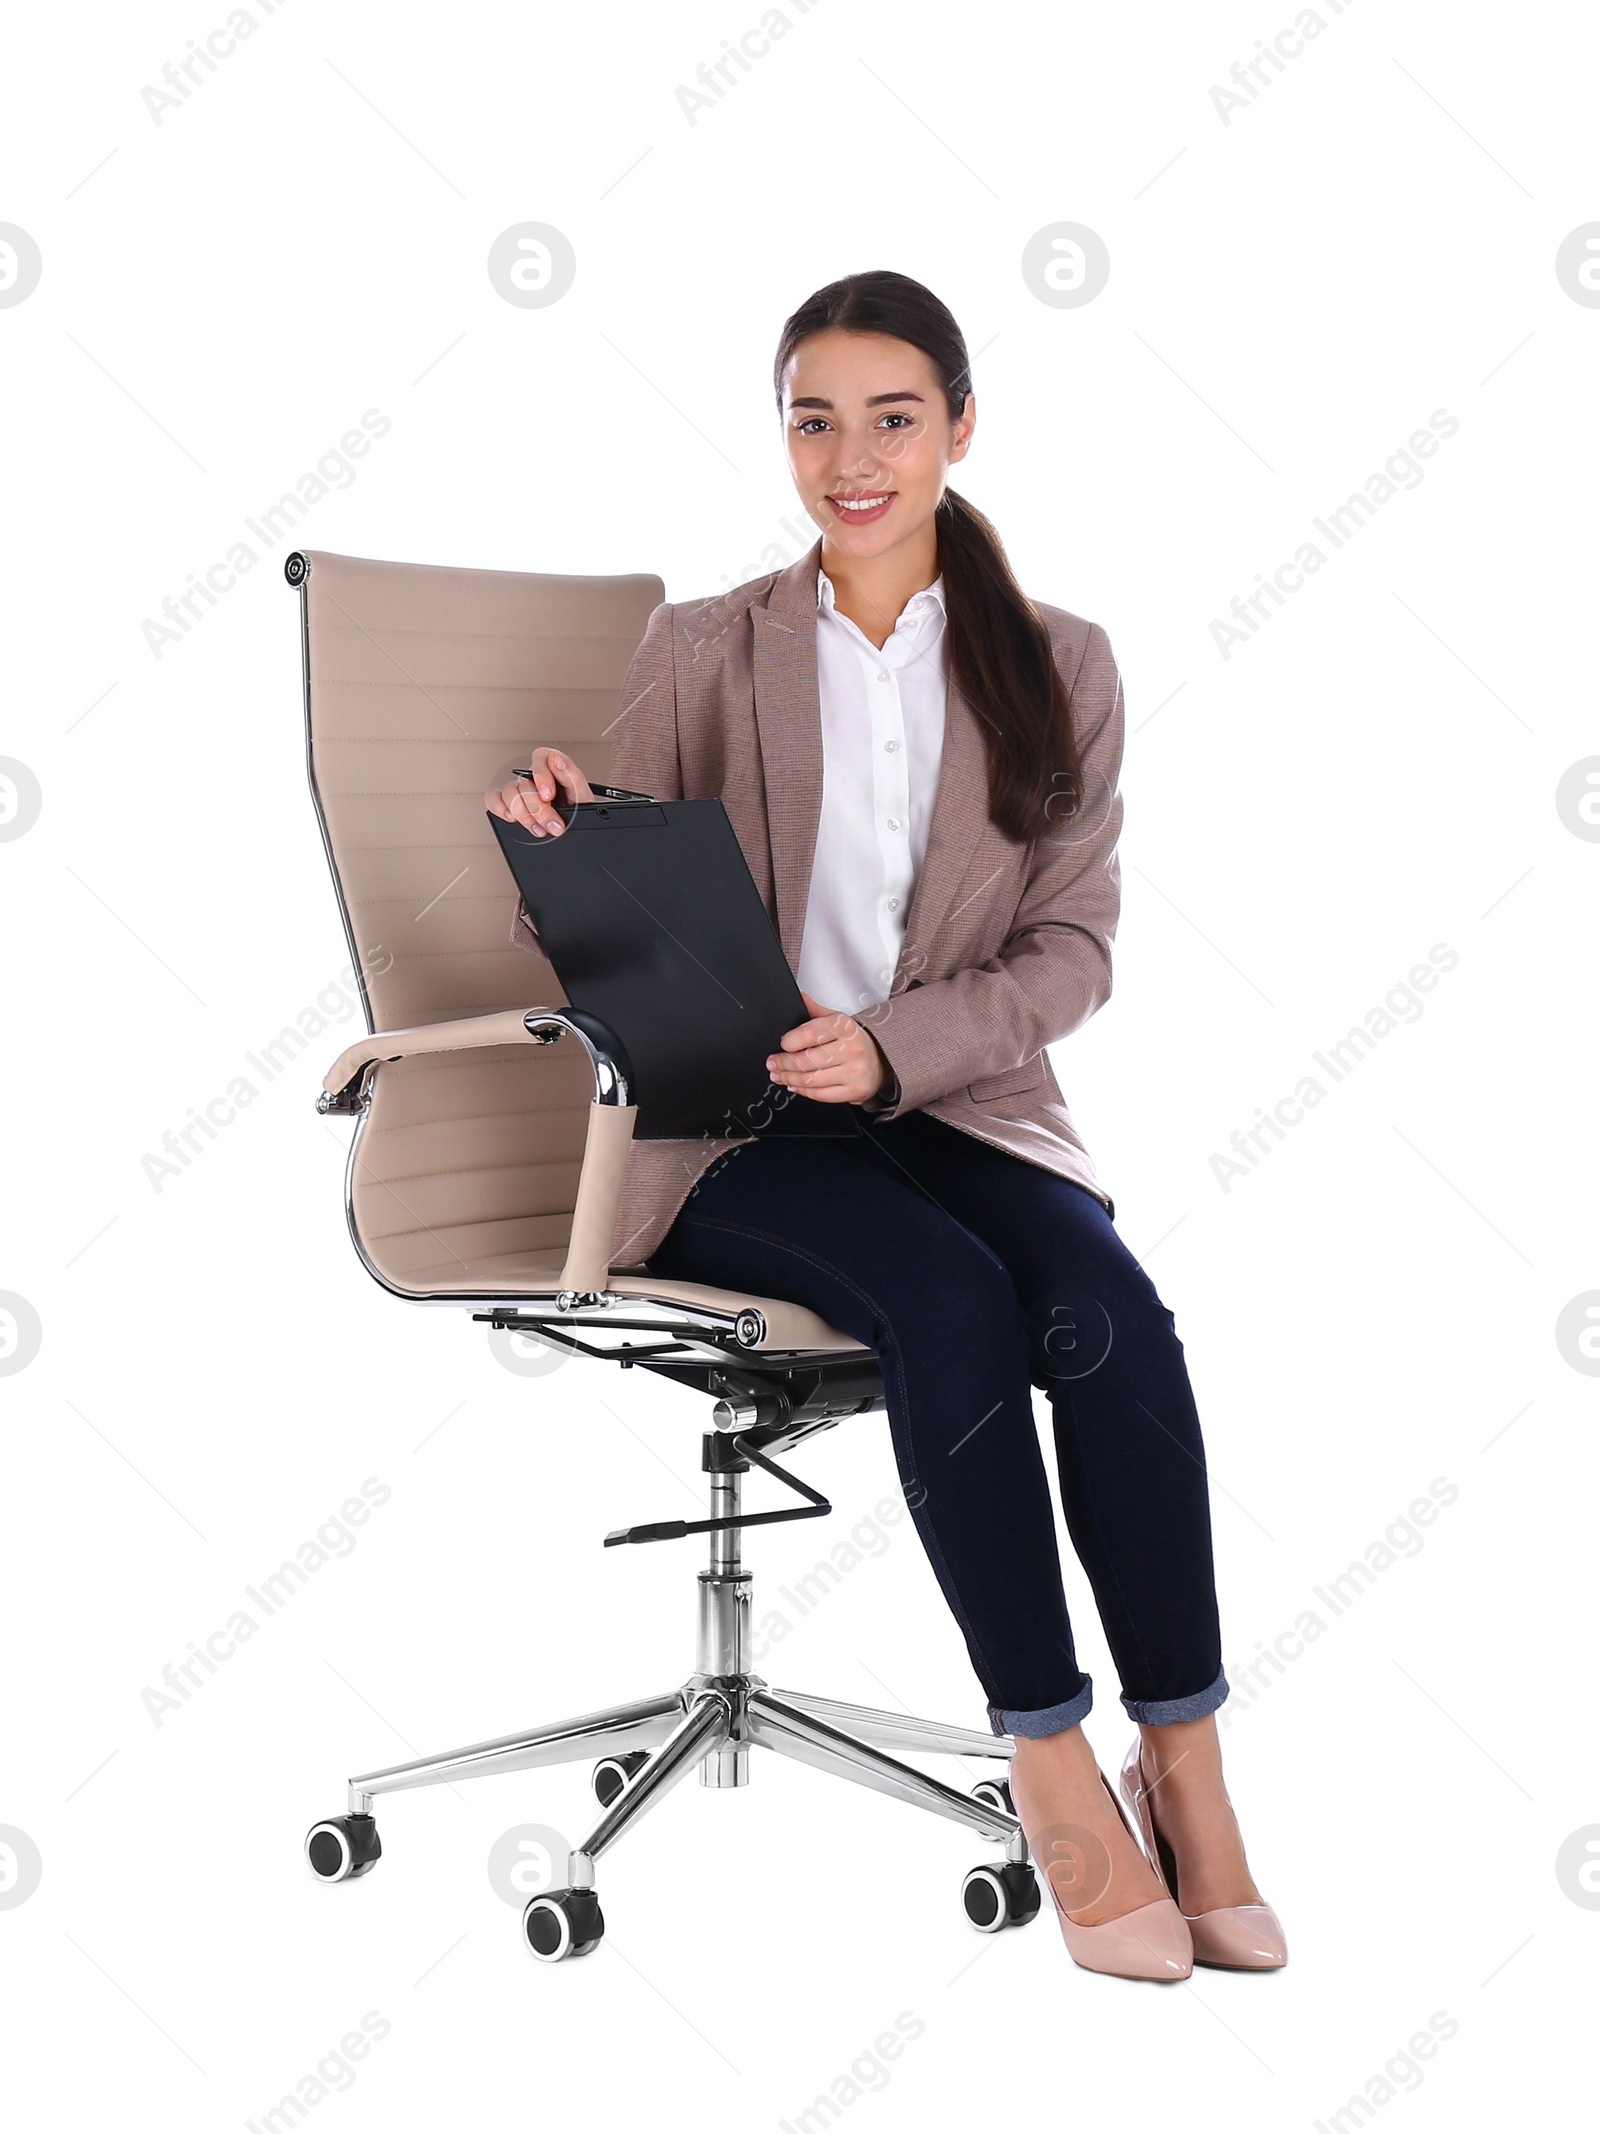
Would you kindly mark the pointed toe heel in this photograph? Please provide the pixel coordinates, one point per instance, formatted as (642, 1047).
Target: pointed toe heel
(1239, 1937)
(1152, 1942)
(1234, 1937)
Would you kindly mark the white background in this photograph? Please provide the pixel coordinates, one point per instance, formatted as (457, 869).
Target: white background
(1373, 1306)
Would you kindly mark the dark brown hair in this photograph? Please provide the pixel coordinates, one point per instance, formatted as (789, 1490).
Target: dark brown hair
(1000, 653)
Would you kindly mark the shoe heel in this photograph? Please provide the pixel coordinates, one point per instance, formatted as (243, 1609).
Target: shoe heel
(1234, 1937)
(1157, 1850)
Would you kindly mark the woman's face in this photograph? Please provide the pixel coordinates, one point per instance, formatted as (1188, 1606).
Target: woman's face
(869, 437)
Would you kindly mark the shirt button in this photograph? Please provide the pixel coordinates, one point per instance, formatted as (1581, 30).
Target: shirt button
(894, 903)
(883, 674)
(894, 822)
(891, 746)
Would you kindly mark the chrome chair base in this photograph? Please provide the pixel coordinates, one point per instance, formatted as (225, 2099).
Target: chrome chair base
(712, 1721)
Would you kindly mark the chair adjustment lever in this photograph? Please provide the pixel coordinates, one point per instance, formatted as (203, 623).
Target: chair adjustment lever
(816, 1507)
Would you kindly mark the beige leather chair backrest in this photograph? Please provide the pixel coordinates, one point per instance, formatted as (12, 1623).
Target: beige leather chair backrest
(423, 685)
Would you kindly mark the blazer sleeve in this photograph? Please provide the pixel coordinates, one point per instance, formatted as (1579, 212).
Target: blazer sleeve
(1053, 969)
(644, 735)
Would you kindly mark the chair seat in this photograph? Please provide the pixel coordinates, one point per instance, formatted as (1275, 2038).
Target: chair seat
(508, 1277)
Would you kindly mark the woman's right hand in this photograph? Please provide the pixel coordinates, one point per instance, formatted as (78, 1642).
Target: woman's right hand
(528, 800)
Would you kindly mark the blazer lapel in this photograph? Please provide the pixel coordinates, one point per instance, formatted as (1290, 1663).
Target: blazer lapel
(789, 720)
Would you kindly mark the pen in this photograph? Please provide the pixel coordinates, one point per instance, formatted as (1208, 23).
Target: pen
(601, 792)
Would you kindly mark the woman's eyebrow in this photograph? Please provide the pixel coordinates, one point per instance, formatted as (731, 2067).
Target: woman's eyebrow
(874, 400)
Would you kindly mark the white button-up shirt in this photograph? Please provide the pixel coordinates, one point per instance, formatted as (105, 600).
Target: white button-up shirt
(882, 742)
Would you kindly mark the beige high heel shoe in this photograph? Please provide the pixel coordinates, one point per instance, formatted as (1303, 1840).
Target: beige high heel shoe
(1234, 1937)
(1150, 1942)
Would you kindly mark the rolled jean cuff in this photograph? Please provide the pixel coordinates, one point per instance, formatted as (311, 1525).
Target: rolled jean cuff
(1053, 1719)
(1169, 1711)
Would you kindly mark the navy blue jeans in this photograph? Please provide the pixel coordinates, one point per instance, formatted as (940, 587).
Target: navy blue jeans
(976, 1276)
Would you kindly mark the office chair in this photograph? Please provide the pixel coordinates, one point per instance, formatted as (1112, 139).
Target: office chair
(492, 1128)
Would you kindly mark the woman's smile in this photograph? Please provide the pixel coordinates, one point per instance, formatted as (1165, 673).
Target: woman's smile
(862, 507)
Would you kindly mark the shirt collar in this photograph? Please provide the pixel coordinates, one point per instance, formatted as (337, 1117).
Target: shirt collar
(915, 607)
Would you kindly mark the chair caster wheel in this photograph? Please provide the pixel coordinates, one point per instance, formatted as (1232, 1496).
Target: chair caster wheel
(1003, 1894)
(612, 1773)
(563, 1922)
(995, 1793)
(343, 1847)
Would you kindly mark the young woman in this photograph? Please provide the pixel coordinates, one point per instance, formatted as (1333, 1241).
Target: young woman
(921, 765)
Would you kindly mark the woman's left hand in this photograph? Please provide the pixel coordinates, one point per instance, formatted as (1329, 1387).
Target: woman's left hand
(830, 1058)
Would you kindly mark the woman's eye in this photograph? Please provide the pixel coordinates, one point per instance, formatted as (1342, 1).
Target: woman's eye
(803, 427)
(898, 416)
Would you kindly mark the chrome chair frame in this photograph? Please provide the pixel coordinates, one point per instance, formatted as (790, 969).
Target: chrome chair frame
(723, 1708)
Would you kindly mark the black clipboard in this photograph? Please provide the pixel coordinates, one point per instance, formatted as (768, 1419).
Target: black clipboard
(649, 915)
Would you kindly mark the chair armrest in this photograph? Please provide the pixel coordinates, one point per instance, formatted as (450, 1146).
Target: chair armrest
(343, 1084)
(340, 1083)
(587, 1270)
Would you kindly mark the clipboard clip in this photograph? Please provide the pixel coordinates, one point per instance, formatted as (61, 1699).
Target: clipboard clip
(603, 792)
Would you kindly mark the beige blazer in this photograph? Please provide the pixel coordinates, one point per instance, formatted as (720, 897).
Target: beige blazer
(1007, 947)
